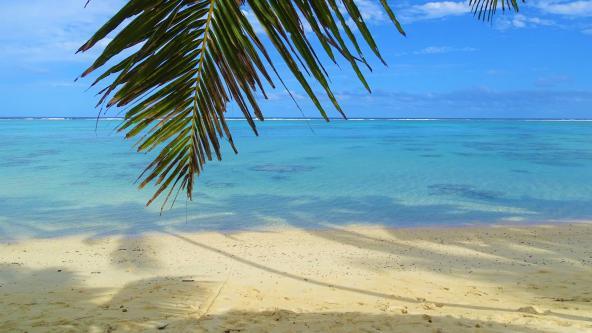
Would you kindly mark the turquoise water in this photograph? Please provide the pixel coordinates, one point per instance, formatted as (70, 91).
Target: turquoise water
(63, 177)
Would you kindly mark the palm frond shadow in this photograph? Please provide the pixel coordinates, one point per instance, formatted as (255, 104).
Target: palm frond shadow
(357, 290)
(44, 217)
(513, 265)
(288, 321)
(306, 213)
(134, 253)
(67, 304)
(180, 306)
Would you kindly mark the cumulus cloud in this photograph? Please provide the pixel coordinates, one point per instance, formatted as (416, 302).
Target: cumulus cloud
(521, 21)
(570, 8)
(371, 11)
(435, 9)
(430, 50)
(444, 49)
(552, 81)
(41, 31)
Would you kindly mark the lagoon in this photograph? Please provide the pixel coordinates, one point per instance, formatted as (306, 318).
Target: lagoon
(69, 176)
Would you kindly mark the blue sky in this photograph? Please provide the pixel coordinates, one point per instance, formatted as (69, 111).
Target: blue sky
(532, 64)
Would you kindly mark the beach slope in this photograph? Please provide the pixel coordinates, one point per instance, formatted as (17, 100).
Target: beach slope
(340, 279)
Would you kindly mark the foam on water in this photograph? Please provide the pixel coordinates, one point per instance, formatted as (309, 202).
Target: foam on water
(64, 177)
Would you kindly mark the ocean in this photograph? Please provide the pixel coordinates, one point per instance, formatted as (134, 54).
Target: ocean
(64, 176)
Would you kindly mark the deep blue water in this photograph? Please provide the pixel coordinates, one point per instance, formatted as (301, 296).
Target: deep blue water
(65, 177)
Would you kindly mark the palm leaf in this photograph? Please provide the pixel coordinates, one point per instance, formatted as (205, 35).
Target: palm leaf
(181, 62)
(486, 9)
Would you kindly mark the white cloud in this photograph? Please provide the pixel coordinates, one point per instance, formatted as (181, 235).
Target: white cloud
(435, 9)
(371, 11)
(438, 50)
(552, 81)
(443, 49)
(587, 31)
(521, 21)
(41, 31)
(572, 8)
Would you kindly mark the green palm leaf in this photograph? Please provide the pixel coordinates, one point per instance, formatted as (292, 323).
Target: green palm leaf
(485, 9)
(190, 58)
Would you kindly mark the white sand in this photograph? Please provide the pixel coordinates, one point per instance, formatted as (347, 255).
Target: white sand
(356, 279)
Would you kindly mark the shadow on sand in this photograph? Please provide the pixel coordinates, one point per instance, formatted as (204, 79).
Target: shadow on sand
(71, 306)
(68, 305)
(173, 304)
(580, 293)
(43, 217)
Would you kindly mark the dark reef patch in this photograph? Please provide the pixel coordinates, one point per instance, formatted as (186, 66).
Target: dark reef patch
(44, 167)
(279, 178)
(465, 191)
(16, 162)
(44, 152)
(218, 185)
(356, 147)
(282, 168)
(465, 154)
(79, 183)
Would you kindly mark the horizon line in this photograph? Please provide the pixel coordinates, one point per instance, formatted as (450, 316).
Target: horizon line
(308, 118)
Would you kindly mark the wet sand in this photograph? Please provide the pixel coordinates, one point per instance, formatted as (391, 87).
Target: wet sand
(354, 279)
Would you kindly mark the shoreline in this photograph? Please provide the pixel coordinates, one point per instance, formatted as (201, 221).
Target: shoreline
(134, 234)
(495, 278)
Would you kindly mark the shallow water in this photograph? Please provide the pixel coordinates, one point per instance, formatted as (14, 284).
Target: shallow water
(63, 177)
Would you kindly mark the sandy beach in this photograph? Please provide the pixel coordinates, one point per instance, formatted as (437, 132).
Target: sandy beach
(354, 279)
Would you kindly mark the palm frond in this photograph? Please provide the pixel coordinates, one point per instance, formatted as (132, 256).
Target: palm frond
(486, 9)
(190, 58)
(179, 63)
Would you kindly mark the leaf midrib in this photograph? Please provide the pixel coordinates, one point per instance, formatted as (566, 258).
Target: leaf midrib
(200, 66)
(204, 45)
